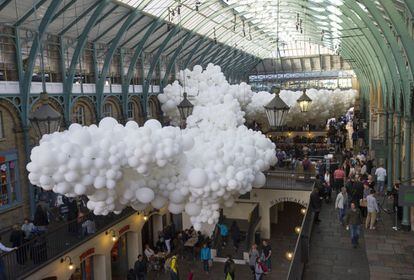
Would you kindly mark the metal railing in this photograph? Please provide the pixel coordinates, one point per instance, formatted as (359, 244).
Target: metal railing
(48, 246)
(301, 253)
(289, 180)
(253, 221)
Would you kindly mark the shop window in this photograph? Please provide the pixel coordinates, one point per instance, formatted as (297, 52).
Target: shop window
(130, 111)
(107, 110)
(1, 126)
(79, 116)
(9, 180)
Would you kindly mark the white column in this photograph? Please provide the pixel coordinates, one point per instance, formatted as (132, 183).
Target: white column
(132, 241)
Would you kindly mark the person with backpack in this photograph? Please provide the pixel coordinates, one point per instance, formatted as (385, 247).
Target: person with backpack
(353, 221)
(171, 265)
(341, 204)
(224, 233)
(267, 254)
(260, 269)
(253, 255)
(229, 269)
(205, 256)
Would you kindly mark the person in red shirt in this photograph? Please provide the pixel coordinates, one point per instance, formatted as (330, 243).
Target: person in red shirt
(339, 176)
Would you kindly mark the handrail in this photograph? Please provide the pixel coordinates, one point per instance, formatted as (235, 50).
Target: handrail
(301, 252)
(289, 180)
(49, 246)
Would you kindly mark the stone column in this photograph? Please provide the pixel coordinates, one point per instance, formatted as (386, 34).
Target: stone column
(405, 224)
(397, 141)
(390, 148)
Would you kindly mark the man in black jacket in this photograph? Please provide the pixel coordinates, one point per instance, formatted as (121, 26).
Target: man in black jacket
(316, 204)
(140, 268)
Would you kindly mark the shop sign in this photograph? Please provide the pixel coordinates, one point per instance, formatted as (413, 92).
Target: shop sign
(87, 254)
(124, 229)
(288, 199)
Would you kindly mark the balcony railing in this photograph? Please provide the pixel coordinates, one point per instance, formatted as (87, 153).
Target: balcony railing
(51, 245)
(289, 180)
(301, 253)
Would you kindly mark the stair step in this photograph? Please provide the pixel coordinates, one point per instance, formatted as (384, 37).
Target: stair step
(223, 260)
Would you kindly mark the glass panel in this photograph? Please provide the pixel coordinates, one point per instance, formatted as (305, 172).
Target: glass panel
(9, 181)
(1, 125)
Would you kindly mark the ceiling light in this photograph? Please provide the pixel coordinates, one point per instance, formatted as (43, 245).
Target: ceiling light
(337, 2)
(334, 10)
(335, 18)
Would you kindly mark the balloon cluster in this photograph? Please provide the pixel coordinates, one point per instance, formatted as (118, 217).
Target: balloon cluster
(197, 170)
(325, 104)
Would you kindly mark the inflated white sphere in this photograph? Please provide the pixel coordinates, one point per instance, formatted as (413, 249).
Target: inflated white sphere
(176, 197)
(259, 180)
(159, 202)
(175, 208)
(197, 178)
(153, 124)
(192, 209)
(107, 123)
(145, 195)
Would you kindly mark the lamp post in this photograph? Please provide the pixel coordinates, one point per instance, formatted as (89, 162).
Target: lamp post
(45, 119)
(276, 110)
(304, 102)
(185, 108)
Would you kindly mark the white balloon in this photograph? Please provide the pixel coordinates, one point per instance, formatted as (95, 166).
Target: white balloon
(145, 195)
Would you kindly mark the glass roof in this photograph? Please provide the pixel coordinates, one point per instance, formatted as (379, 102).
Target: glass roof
(265, 28)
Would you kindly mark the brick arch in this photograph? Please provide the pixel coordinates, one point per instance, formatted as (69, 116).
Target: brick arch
(11, 126)
(88, 108)
(137, 109)
(114, 102)
(154, 108)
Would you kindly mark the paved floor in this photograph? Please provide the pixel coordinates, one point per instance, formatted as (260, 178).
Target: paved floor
(331, 253)
(390, 253)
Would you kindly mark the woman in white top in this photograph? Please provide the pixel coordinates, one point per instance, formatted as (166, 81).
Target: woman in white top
(149, 253)
(328, 187)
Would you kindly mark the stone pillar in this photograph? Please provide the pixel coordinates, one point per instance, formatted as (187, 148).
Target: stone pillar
(390, 148)
(405, 224)
(397, 174)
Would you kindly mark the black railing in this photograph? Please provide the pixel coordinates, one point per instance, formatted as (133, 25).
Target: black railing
(301, 253)
(46, 247)
(289, 180)
(253, 222)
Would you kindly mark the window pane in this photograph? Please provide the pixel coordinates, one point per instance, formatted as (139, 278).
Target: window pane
(9, 183)
(1, 125)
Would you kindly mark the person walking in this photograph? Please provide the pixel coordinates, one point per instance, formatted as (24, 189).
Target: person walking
(224, 232)
(41, 220)
(381, 173)
(338, 176)
(315, 204)
(140, 268)
(28, 228)
(259, 269)
(205, 255)
(372, 208)
(328, 186)
(267, 254)
(167, 238)
(395, 195)
(17, 240)
(341, 203)
(4, 249)
(353, 221)
(174, 268)
(253, 256)
(229, 269)
(235, 235)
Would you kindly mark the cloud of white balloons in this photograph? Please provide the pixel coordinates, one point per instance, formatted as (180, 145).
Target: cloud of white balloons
(197, 170)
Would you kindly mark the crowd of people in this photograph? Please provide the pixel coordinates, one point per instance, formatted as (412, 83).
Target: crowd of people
(358, 184)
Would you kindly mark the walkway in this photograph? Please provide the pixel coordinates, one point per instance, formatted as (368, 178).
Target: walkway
(390, 253)
(331, 253)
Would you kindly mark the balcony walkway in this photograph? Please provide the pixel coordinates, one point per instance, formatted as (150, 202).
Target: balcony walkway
(383, 254)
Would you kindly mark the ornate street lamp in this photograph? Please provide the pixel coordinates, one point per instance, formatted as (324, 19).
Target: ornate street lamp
(185, 107)
(304, 102)
(276, 110)
(45, 119)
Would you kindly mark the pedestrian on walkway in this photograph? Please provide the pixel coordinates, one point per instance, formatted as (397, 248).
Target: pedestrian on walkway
(339, 176)
(174, 268)
(395, 193)
(235, 235)
(372, 207)
(17, 240)
(140, 268)
(381, 173)
(224, 233)
(2, 267)
(260, 269)
(41, 220)
(253, 255)
(267, 254)
(315, 204)
(229, 269)
(341, 204)
(205, 255)
(353, 221)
